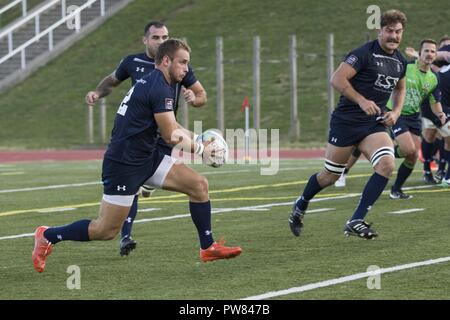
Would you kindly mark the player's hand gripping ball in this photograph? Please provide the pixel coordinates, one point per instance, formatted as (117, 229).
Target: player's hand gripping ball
(216, 152)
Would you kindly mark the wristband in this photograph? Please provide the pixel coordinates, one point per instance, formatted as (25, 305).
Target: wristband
(199, 149)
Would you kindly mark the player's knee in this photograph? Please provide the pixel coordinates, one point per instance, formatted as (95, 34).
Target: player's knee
(98, 231)
(409, 152)
(385, 166)
(326, 178)
(201, 188)
(330, 173)
(412, 155)
(383, 161)
(110, 233)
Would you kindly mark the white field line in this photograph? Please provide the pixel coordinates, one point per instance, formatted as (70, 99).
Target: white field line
(12, 173)
(332, 282)
(407, 211)
(23, 235)
(51, 187)
(250, 208)
(149, 209)
(55, 210)
(74, 185)
(178, 216)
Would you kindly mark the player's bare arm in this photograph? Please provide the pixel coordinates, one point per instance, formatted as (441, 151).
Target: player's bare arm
(195, 95)
(173, 133)
(340, 81)
(103, 89)
(411, 53)
(437, 110)
(443, 55)
(170, 132)
(398, 98)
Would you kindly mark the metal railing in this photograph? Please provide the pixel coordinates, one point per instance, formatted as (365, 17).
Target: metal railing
(35, 15)
(13, 4)
(48, 31)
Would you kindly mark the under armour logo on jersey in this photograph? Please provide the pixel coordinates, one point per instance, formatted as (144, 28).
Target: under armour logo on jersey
(121, 188)
(140, 69)
(333, 139)
(379, 64)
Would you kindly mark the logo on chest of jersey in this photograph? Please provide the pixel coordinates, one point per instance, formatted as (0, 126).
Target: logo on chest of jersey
(169, 104)
(386, 82)
(140, 69)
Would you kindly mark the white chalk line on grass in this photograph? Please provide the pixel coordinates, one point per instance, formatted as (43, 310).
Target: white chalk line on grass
(59, 186)
(221, 210)
(75, 185)
(23, 235)
(407, 211)
(357, 276)
(247, 208)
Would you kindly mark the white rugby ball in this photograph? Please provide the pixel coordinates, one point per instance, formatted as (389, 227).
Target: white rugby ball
(214, 135)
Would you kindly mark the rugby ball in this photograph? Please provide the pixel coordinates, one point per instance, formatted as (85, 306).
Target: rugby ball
(215, 137)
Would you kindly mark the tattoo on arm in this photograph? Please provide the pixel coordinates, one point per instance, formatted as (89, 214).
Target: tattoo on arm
(104, 88)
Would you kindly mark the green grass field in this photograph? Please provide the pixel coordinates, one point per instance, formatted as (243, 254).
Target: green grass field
(49, 106)
(253, 211)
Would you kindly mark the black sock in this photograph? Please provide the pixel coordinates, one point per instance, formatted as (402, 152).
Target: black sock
(77, 231)
(311, 189)
(427, 153)
(128, 223)
(201, 216)
(403, 173)
(371, 193)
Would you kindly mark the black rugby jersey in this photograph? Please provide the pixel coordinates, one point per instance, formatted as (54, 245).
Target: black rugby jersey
(135, 129)
(377, 75)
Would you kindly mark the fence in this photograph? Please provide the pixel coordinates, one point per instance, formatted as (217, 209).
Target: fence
(21, 49)
(13, 4)
(289, 63)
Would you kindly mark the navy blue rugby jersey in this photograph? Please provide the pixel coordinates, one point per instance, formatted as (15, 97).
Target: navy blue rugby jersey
(136, 66)
(135, 129)
(377, 75)
(444, 86)
(441, 63)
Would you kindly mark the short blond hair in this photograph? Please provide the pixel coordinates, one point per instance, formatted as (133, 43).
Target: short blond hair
(169, 48)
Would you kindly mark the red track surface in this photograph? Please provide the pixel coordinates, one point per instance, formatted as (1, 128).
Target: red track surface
(97, 154)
